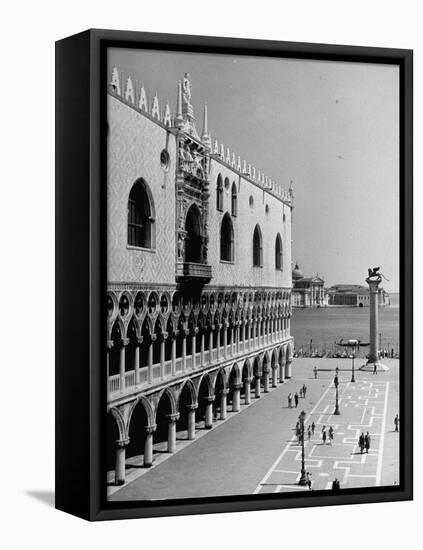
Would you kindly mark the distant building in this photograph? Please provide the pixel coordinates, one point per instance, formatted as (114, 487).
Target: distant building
(307, 291)
(354, 296)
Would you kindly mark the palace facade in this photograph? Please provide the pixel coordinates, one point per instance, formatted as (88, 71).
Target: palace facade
(199, 277)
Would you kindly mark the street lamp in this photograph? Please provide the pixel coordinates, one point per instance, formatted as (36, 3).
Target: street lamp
(336, 382)
(352, 370)
(303, 477)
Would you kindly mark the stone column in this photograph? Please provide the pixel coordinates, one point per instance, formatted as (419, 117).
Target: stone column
(202, 349)
(193, 347)
(211, 345)
(374, 280)
(266, 382)
(208, 423)
(218, 327)
(152, 339)
(274, 376)
(184, 350)
(288, 368)
(109, 347)
(162, 339)
(282, 371)
(257, 388)
(236, 398)
(223, 404)
(191, 421)
(171, 432)
(247, 391)
(173, 352)
(120, 461)
(148, 446)
(243, 335)
(124, 342)
(225, 338)
(137, 360)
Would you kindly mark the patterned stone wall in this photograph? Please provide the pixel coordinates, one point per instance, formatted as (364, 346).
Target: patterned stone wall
(134, 146)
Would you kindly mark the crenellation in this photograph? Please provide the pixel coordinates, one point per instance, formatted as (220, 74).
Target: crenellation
(155, 108)
(129, 91)
(167, 117)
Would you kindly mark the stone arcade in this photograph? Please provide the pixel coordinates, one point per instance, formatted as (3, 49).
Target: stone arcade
(199, 277)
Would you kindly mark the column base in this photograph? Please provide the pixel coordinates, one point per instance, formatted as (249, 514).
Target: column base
(369, 367)
(147, 464)
(119, 482)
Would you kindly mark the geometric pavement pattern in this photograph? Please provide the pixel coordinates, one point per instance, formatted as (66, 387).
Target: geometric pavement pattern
(363, 407)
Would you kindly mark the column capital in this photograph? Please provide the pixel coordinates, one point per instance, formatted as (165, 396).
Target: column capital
(122, 443)
(224, 392)
(238, 386)
(124, 342)
(151, 429)
(209, 398)
(192, 406)
(162, 336)
(109, 344)
(173, 417)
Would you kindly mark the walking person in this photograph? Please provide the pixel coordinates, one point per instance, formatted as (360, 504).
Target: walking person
(315, 373)
(324, 435)
(361, 442)
(309, 433)
(367, 440)
(335, 485)
(304, 390)
(290, 400)
(313, 427)
(296, 399)
(301, 392)
(396, 422)
(330, 434)
(375, 368)
(308, 481)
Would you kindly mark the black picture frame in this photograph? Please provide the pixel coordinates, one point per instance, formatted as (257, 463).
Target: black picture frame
(81, 272)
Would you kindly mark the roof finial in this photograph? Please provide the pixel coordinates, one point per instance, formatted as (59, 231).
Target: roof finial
(205, 136)
(179, 119)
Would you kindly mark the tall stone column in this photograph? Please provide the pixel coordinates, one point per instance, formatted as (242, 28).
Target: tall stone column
(184, 351)
(236, 398)
(109, 347)
(123, 344)
(171, 432)
(266, 382)
(288, 368)
(148, 446)
(202, 349)
(137, 360)
(373, 364)
(194, 347)
(173, 352)
(257, 388)
(223, 404)
(208, 423)
(120, 461)
(218, 327)
(211, 345)
(247, 391)
(274, 376)
(225, 338)
(152, 339)
(282, 371)
(162, 340)
(191, 421)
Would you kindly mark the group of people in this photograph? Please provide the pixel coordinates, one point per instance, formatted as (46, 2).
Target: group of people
(327, 434)
(301, 393)
(364, 442)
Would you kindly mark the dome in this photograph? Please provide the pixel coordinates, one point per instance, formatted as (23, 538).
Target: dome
(297, 273)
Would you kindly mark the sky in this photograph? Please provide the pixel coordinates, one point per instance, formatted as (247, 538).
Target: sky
(330, 127)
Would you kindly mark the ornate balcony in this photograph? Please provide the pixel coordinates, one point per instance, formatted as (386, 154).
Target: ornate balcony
(190, 271)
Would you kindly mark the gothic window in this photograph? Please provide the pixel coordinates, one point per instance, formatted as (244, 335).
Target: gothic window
(257, 247)
(193, 240)
(140, 216)
(227, 239)
(234, 200)
(278, 252)
(219, 193)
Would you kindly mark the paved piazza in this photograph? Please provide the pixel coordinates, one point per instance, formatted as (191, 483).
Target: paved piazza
(256, 451)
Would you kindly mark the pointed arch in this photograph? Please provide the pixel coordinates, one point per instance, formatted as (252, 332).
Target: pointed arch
(257, 247)
(278, 252)
(193, 240)
(234, 200)
(141, 216)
